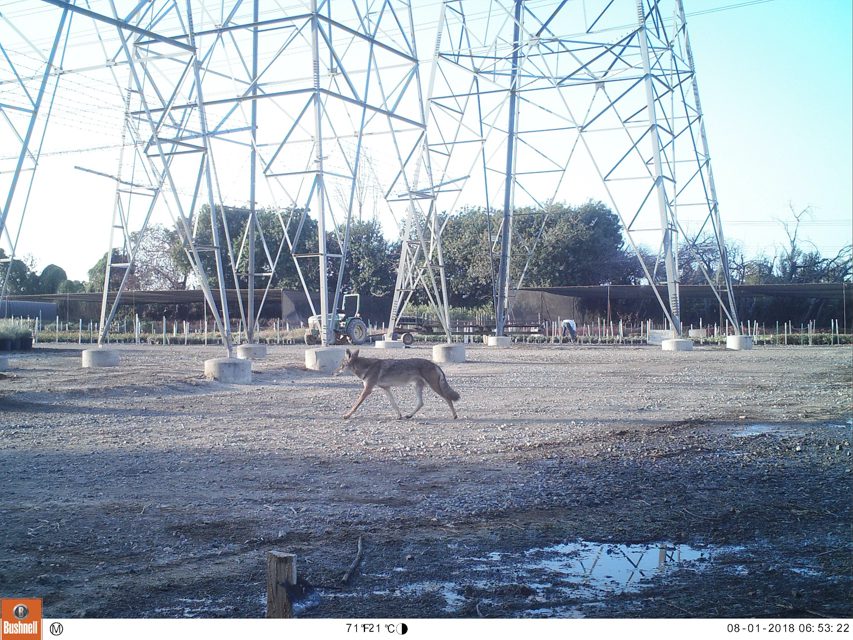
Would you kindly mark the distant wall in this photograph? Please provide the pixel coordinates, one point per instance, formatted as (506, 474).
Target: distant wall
(47, 311)
(295, 307)
(530, 307)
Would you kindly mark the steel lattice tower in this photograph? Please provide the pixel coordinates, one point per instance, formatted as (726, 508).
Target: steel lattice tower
(263, 105)
(258, 104)
(26, 92)
(533, 101)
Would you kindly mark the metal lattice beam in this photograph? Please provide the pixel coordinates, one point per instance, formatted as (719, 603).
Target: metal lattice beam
(25, 108)
(244, 105)
(536, 101)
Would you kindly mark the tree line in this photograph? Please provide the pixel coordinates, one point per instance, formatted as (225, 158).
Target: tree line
(23, 279)
(568, 245)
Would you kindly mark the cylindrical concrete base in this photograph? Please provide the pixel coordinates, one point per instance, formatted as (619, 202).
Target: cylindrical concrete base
(448, 353)
(4, 363)
(231, 370)
(498, 341)
(389, 344)
(677, 344)
(93, 358)
(252, 351)
(739, 343)
(324, 359)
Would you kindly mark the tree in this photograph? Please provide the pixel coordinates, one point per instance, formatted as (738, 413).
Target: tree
(160, 261)
(286, 276)
(97, 273)
(272, 223)
(71, 286)
(566, 246)
(792, 264)
(465, 244)
(796, 264)
(51, 279)
(369, 267)
(23, 280)
(577, 246)
(19, 275)
(370, 261)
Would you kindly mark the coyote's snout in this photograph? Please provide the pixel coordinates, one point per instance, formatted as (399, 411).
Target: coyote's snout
(376, 372)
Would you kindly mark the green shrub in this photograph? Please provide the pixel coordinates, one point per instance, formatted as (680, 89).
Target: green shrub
(22, 331)
(13, 330)
(7, 330)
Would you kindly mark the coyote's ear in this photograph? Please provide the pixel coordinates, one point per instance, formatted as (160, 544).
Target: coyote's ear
(354, 354)
(349, 355)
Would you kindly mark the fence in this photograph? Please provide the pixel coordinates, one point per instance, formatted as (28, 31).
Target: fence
(164, 332)
(603, 332)
(173, 332)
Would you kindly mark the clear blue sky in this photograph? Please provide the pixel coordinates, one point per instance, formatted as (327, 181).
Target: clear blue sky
(775, 82)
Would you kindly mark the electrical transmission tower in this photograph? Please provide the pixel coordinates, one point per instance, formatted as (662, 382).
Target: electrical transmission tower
(236, 108)
(27, 85)
(535, 101)
(241, 110)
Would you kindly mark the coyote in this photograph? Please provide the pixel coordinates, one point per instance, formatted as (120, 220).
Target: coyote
(375, 372)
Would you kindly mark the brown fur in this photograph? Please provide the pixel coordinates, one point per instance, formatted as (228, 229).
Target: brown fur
(387, 373)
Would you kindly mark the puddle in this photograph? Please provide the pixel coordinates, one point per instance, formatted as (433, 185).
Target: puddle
(561, 580)
(751, 430)
(610, 568)
(761, 430)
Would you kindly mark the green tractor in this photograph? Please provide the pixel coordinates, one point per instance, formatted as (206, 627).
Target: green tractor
(349, 328)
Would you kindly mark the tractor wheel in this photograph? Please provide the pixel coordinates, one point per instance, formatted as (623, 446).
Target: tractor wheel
(408, 338)
(311, 339)
(356, 331)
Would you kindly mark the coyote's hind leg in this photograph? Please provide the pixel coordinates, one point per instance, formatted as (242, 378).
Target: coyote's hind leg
(393, 403)
(419, 392)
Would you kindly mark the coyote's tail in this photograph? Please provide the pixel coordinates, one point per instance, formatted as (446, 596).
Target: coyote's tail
(446, 390)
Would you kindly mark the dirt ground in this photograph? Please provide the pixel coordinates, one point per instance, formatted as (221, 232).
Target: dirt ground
(577, 482)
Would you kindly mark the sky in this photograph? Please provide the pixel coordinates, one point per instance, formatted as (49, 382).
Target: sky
(775, 83)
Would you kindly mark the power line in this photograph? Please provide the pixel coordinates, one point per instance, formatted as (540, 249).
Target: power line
(814, 223)
(728, 7)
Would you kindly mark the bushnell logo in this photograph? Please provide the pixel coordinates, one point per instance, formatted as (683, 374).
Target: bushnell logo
(21, 619)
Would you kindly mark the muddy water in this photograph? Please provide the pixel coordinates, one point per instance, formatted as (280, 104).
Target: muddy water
(560, 580)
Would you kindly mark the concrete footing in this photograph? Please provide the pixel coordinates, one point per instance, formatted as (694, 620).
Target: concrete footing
(657, 336)
(498, 341)
(231, 370)
(252, 351)
(4, 363)
(700, 334)
(324, 359)
(389, 344)
(739, 343)
(677, 344)
(448, 353)
(93, 358)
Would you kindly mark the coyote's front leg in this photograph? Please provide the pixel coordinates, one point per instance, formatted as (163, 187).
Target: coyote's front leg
(364, 393)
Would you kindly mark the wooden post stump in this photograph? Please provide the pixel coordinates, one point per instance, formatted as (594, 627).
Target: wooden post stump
(281, 571)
